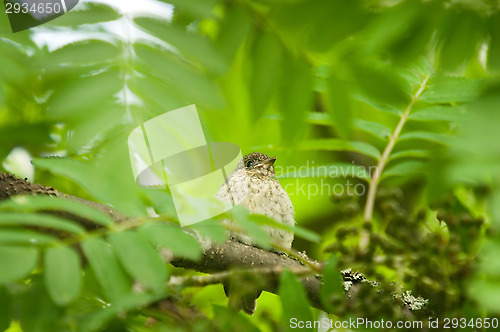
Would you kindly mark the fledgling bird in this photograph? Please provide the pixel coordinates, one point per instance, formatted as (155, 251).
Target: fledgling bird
(251, 185)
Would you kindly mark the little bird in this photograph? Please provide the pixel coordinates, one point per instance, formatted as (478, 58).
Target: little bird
(252, 186)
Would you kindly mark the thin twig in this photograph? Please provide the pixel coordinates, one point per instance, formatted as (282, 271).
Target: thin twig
(372, 189)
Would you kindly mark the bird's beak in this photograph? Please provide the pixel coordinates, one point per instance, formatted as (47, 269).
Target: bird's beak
(269, 161)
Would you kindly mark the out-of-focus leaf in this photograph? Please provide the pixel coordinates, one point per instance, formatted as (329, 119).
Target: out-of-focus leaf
(37, 203)
(459, 41)
(86, 13)
(5, 309)
(97, 320)
(166, 66)
(333, 283)
(16, 262)
(26, 134)
(173, 238)
(381, 106)
(234, 28)
(162, 201)
(428, 136)
(374, 128)
(485, 286)
(481, 135)
(62, 274)
(12, 69)
(494, 45)
(102, 184)
(39, 220)
(298, 231)
(322, 119)
(404, 168)
(80, 95)
(139, 258)
(295, 98)
(264, 76)
(331, 144)
(339, 106)
(452, 90)
(25, 237)
(193, 7)
(293, 300)
(211, 229)
(192, 45)
(107, 269)
(82, 53)
(36, 310)
(103, 120)
(381, 86)
(409, 154)
(336, 17)
(439, 113)
(161, 95)
(403, 18)
(328, 171)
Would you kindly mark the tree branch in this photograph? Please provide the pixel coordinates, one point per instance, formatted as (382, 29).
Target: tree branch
(220, 260)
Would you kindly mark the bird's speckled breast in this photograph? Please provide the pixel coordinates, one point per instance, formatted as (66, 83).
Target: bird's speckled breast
(260, 195)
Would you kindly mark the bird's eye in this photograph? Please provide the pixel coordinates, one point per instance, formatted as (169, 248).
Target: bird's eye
(249, 164)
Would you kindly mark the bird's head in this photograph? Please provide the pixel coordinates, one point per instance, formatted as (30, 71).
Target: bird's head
(259, 164)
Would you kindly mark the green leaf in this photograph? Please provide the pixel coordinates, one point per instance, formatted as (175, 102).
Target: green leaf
(101, 184)
(113, 279)
(452, 90)
(233, 30)
(211, 229)
(81, 53)
(295, 98)
(328, 171)
(377, 104)
(332, 144)
(404, 168)
(409, 154)
(428, 136)
(162, 95)
(36, 310)
(86, 13)
(494, 45)
(37, 203)
(316, 118)
(439, 113)
(254, 231)
(82, 94)
(193, 7)
(25, 237)
(339, 106)
(298, 231)
(173, 238)
(374, 128)
(333, 283)
(293, 300)
(62, 274)
(5, 309)
(192, 45)
(380, 85)
(264, 76)
(16, 262)
(97, 320)
(459, 41)
(170, 68)
(139, 258)
(39, 220)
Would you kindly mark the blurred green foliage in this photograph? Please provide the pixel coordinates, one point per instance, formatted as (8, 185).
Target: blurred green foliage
(336, 86)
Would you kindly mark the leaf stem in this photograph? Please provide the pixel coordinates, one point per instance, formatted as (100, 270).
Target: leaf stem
(372, 189)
